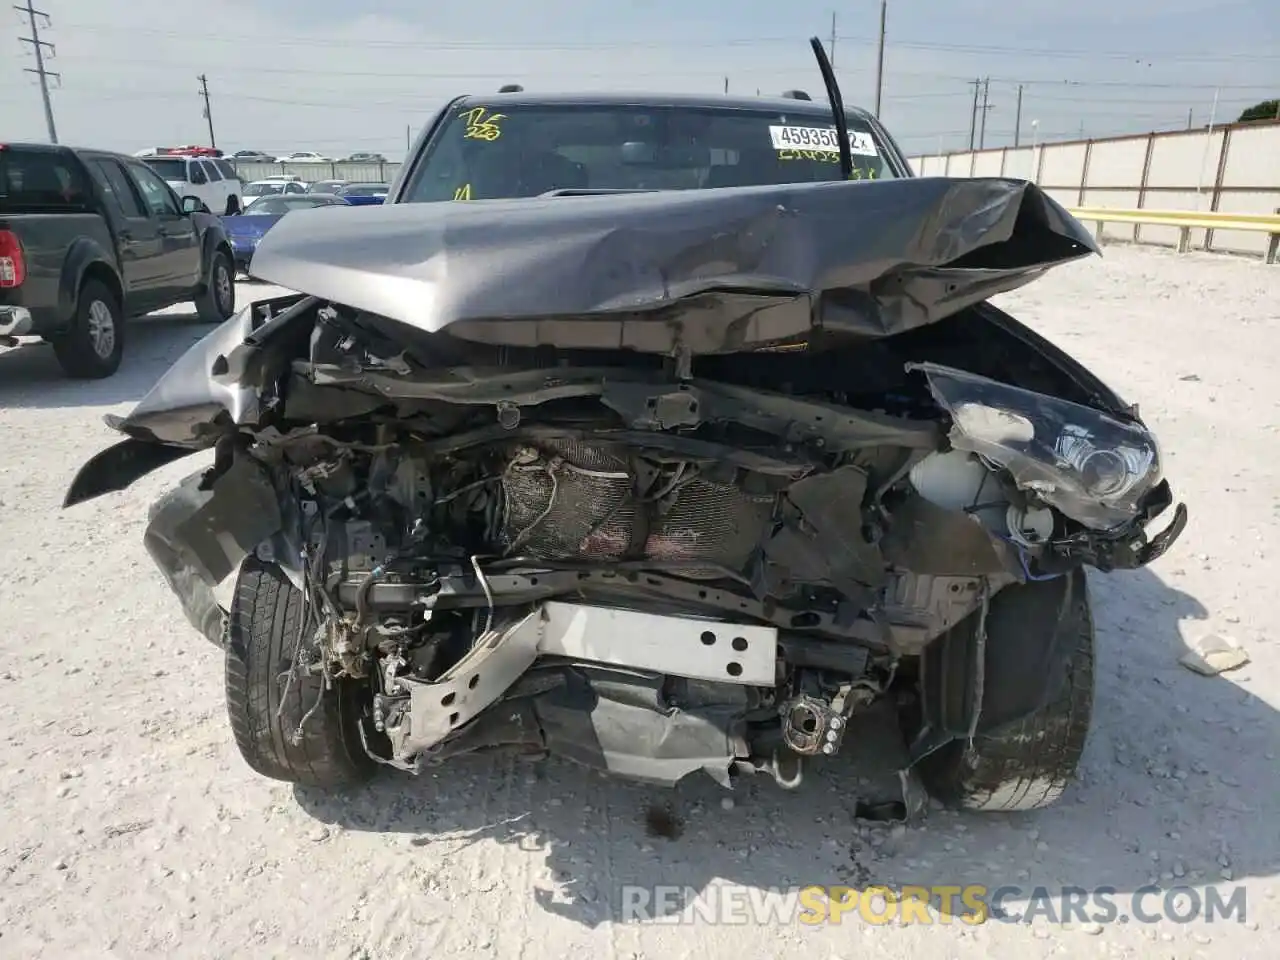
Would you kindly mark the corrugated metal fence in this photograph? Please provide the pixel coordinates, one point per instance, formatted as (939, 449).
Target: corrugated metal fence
(355, 172)
(1233, 169)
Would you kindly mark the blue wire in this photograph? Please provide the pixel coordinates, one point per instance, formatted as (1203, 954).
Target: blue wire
(1026, 568)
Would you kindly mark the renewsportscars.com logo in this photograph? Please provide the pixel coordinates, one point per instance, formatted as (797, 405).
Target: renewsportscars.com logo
(970, 904)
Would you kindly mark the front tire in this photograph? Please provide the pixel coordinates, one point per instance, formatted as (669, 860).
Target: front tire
(1026, 765)
(217, 301)
(94, 346)
(261, 638)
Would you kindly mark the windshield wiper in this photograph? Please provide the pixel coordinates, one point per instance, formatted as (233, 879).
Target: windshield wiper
(837, 107)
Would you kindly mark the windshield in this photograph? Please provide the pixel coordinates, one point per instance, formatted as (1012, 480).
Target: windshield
(523, 151)
(326, 186)
(277, 205)
(175, 169)
(262, 189)
(365, 190)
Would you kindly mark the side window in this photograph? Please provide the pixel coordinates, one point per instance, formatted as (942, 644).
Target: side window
(195, 173)
(157, 196)
(227, 170)
(120, 193)
(211, 171)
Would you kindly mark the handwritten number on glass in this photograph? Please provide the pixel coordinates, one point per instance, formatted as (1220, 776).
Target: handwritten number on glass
(481, 124)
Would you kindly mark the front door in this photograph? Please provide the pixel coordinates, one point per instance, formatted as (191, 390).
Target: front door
(137, 235)
(182, 259)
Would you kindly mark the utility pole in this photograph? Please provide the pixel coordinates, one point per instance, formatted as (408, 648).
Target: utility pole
(1017, 119)
(884, 10)
(39, 46)
(726, 85)
(982, 135)
(1190, 112)
(832, 58)
(208, 114)
(973, 117)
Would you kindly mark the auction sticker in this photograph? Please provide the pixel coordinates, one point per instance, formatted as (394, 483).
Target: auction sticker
(821, 138)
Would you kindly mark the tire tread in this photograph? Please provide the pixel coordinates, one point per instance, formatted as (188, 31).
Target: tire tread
(1030, 764)
(262, 629)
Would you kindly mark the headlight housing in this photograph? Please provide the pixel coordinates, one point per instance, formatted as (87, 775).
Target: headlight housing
(1094, 468)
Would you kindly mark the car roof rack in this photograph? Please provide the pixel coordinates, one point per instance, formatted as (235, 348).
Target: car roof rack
(511, 88)
(795, 95)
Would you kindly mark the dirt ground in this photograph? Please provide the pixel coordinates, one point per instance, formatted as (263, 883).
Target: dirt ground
(131, 827)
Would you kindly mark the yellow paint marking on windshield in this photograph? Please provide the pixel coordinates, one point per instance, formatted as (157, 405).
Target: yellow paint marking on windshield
(463, 192)
(481, 124)
(827, 156)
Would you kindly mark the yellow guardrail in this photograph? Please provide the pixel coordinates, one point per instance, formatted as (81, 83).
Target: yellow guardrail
(1188, 220)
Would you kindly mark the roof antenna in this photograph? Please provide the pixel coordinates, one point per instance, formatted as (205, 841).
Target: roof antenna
(837, 107)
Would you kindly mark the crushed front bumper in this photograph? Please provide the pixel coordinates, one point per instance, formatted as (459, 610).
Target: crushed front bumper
(1125, 548)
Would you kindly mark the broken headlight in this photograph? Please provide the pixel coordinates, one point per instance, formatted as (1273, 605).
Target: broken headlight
(1092, 467)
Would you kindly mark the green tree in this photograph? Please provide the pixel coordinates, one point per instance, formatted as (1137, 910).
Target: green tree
(1266, 110)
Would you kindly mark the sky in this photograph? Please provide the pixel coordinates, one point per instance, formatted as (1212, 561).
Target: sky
(339, 76)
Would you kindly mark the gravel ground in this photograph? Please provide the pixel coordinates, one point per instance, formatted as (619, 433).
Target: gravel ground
(133, 829)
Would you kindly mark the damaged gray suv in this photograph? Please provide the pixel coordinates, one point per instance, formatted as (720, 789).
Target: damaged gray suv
(661, 434)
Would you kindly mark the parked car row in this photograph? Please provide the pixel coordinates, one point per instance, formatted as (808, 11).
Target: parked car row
(357, 194)
(305, 156)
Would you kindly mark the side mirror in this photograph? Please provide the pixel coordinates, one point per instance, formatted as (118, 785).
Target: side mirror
(192, 205)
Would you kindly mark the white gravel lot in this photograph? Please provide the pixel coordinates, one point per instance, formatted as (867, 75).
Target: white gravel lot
(131, 827)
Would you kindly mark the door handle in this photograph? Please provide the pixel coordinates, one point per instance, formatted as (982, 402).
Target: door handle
(126, 234)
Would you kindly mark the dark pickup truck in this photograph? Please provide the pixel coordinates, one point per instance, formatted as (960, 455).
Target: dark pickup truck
(90, 238)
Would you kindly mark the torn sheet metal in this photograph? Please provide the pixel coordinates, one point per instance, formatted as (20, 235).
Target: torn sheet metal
(197, 536)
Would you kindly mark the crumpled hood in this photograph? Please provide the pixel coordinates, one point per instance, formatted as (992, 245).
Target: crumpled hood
(750, 264)
(695, 271)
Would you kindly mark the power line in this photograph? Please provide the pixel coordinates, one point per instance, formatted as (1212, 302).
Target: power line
(39, 46)
(717, 73)
(631, 43)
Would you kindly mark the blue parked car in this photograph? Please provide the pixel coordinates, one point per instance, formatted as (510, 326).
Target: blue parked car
(244, 230)
(362, 194)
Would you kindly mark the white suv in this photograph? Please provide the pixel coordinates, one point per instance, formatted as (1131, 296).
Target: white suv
(213, 180)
